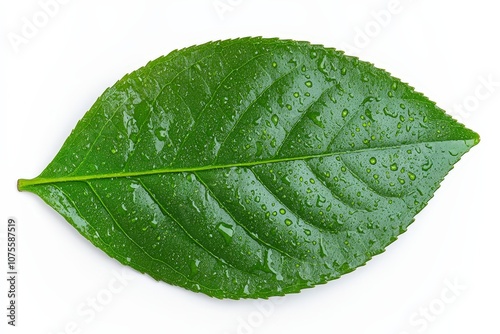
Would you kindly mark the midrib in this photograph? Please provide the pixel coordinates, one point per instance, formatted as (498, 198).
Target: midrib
(24, 183)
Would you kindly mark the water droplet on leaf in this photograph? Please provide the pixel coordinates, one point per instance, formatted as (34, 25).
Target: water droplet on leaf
(226, 230)
(275, 119)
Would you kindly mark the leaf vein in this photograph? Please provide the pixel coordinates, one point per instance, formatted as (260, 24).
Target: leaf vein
(333, 191)
(135, 242)
(210, 101)
(357, 177)
(168, 213)
(233, 128)
(301, 118)
(253, 236)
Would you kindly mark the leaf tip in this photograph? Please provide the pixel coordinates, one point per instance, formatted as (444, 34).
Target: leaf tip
(477, 138)
(473, 138)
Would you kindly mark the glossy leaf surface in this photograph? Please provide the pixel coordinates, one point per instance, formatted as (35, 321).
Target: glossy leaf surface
(251, 167)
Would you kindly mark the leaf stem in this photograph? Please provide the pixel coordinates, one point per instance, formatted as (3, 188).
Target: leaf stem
(22, 183)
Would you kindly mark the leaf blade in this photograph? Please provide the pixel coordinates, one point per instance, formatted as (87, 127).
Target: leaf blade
(275, 165)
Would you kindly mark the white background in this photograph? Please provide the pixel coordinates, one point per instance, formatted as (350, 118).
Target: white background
(446, 49)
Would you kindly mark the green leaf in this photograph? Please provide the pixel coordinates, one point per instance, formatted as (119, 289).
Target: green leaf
(251, 167)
